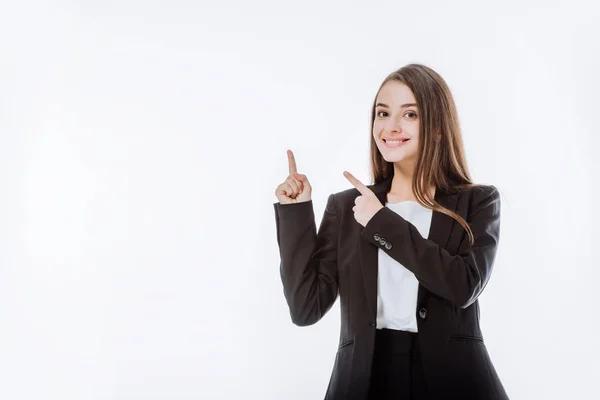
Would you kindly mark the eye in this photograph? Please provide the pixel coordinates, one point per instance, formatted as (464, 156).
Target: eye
(412, 113)
(379, 112)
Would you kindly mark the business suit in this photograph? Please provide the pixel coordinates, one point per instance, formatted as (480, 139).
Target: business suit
(341, 259)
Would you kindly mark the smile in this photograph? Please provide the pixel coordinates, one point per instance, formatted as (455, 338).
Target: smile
(395, 143)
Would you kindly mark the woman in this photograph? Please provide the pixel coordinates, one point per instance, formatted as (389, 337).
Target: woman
(408, 255)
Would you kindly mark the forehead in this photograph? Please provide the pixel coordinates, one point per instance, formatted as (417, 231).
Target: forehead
(395, 92)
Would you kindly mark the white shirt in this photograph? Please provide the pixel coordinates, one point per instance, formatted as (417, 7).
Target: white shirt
(397, 287)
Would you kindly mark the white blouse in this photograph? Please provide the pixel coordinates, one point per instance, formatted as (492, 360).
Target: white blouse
(397, 287)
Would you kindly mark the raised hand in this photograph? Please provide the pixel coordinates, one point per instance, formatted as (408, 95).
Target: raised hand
(367, 204)
(295, 188)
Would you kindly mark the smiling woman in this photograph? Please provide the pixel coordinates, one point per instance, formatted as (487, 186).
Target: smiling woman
(409, 290)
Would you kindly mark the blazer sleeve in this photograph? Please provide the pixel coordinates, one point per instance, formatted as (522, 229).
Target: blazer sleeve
(459, 278)
(308, 267)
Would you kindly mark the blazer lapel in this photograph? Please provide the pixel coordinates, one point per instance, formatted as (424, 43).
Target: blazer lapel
(439, 232)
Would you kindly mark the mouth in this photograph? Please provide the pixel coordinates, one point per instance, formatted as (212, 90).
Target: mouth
(394, 142)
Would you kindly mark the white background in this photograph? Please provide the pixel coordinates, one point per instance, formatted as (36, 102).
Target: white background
(141, 144)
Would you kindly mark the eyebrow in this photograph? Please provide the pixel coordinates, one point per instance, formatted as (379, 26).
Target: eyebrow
(402, 106)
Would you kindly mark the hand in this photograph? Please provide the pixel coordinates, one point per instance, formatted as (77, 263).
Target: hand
(367, 204)
(296, 188)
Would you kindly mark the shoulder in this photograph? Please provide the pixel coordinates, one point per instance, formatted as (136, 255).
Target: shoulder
(471, 190)
(480, 190)
(470, 199)
(484, 200)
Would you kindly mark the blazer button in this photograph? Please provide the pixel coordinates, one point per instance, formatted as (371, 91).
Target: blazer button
(388, 245)
(376, 237)
(372, 323)
(423, 313)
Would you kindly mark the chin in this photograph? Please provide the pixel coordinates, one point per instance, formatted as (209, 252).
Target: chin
(397, 157)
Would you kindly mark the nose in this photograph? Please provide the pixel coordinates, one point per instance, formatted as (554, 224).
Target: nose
(392, 128)
(393, 125)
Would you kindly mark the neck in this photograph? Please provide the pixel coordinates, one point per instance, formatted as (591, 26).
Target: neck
(402, 182)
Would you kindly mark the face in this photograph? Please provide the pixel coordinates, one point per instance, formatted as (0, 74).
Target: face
(396, 124)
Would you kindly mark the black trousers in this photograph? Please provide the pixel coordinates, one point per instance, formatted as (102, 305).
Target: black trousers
(397, 372)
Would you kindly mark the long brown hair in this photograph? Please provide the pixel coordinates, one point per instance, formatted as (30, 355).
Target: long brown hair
(441, 158)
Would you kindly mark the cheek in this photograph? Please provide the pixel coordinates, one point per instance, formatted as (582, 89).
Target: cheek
(377, 128)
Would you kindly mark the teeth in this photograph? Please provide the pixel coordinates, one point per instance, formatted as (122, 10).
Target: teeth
(394, 141)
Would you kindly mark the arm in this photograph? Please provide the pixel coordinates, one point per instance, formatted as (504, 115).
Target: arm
(308, 259)
(458, 278)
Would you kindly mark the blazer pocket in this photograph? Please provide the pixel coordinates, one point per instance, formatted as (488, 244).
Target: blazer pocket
(467, 338)
(346, 344)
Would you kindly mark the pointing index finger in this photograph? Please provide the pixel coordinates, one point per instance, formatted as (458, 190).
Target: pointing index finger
(291, 162)
(356, 183)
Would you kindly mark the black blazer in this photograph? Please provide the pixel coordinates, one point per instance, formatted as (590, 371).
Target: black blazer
(341, 258)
